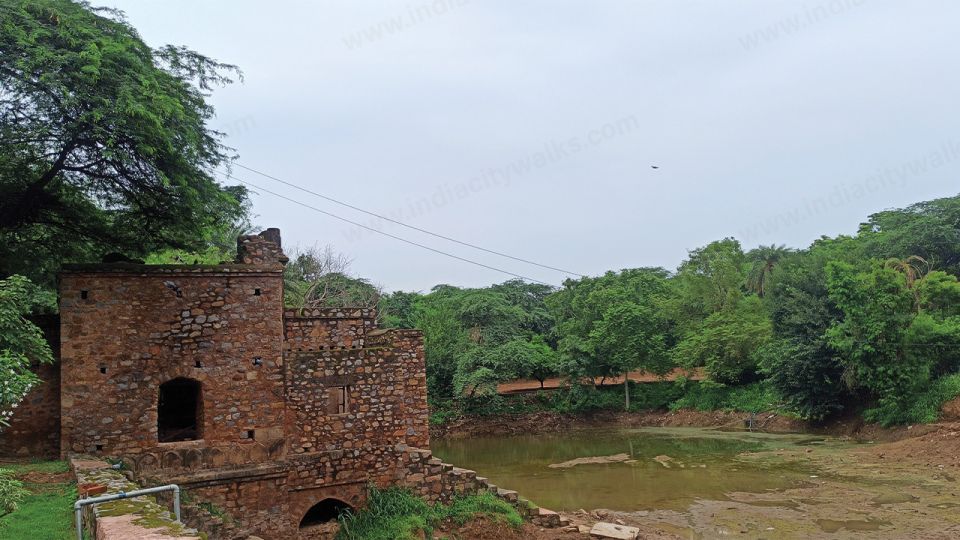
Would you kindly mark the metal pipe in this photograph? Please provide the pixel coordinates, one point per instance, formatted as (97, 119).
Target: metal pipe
(78, 506)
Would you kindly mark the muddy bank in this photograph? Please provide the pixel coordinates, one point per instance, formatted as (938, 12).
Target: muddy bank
(907, 487)
(551, 422)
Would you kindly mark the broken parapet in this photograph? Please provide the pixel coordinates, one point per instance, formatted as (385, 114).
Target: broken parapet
(123, 519)
(261, 249)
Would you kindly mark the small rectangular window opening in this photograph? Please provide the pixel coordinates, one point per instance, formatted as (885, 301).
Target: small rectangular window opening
(99, 448)
(198, 364)
(250, 433)
(339, 397)
(256, 292)
(103, 369)
(83, 295)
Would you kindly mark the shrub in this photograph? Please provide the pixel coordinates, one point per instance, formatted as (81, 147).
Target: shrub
(922, 407)
(807, 375)
(11, 492)
(397, 514)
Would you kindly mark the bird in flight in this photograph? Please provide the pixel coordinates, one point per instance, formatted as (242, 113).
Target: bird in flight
(654, 166)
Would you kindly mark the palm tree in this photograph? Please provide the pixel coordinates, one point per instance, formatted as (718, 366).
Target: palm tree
(763, 260)
(914, 267)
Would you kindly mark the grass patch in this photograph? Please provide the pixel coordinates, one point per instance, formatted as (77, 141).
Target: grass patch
(710, 396)
(397, 514)
(45, 514)
(24, 467)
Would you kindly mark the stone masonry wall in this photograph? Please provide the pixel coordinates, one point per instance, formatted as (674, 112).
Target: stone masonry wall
(262, 249)
(332, 328)
(385, 404)
(126, 329)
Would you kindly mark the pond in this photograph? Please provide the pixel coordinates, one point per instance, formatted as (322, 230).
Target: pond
(628, 470)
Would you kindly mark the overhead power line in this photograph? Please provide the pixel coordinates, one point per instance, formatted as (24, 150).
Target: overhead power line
(407, 225)
(401, 239)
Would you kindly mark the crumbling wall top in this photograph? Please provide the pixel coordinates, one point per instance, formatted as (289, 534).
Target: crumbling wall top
(261, 249)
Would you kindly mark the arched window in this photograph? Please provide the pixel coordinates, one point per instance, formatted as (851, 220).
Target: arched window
(324, 511)
(180, 410)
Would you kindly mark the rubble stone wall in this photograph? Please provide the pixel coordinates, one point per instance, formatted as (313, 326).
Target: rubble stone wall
(319, 329)
(126, 329)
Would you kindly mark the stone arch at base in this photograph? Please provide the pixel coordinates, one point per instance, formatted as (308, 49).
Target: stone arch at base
(325, 511)
(311, 508)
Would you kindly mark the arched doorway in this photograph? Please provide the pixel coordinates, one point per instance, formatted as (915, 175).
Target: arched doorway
(180, 410)
(325, 511)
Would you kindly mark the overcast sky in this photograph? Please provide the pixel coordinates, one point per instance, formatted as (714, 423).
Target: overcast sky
(532, 128)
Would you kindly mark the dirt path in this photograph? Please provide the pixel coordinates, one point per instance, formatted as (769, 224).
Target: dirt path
(552, 422)
(531, 385)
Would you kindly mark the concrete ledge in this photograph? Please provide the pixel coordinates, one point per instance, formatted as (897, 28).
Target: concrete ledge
(195, 479)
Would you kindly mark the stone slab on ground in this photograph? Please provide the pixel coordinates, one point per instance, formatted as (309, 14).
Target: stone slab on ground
(614, 531)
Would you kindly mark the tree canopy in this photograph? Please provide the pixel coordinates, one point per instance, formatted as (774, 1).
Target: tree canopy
(104, 141)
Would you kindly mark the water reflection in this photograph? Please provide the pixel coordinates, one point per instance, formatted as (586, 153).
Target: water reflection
(669, 468)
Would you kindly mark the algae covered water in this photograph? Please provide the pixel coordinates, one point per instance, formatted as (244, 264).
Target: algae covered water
(628, 470)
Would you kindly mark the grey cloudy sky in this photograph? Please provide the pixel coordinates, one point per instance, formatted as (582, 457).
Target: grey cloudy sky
(530, 128)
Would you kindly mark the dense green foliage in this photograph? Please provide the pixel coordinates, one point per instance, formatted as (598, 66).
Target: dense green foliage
(104, 144)
(397, 514)
(869, 322)
(22, 343)
(105, 154)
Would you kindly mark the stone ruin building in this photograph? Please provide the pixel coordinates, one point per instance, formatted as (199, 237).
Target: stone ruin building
(197, 375)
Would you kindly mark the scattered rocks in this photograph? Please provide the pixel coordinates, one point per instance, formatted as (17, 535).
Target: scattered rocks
(614, 531)
(616, 458)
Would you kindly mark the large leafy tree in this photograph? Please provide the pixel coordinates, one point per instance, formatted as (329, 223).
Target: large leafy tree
(712, 279)
(892, 340)
(929, 230)
(728, 342)
(104, 143)
(799, 363)
(632, 336)
(593, 314)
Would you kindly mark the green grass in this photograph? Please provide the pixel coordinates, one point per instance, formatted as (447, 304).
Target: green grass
(37, 466)
(47, 512)
(397, 514)
(707, 396)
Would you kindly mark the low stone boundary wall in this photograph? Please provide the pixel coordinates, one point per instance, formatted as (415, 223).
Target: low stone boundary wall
(437, 481)
(124, 519)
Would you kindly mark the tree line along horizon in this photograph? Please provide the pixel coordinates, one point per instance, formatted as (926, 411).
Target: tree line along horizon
(106, 148)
